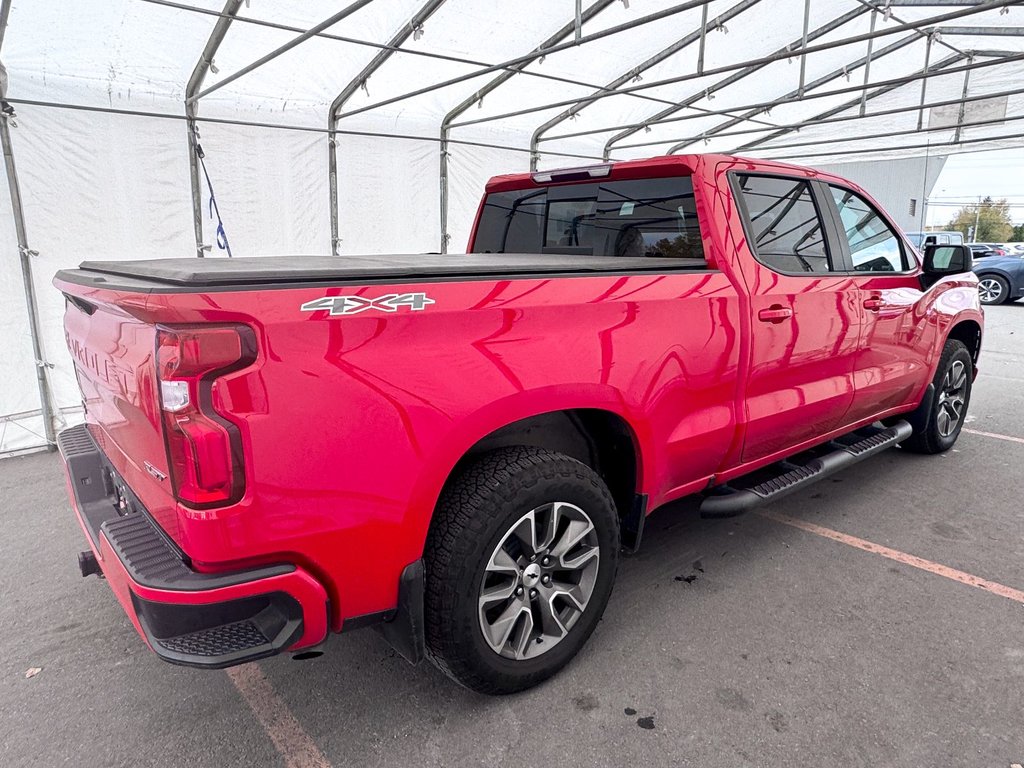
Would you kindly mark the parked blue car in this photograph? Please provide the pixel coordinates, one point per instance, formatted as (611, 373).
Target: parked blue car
(1000, 279)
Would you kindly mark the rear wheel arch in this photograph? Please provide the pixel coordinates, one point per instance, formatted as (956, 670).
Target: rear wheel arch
(601, 439)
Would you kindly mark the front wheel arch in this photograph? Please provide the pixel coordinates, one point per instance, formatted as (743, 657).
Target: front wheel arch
(968, 333)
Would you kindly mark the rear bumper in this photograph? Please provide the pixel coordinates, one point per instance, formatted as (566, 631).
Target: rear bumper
(210, 620)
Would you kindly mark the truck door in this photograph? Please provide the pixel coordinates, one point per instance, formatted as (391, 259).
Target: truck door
(804, 316)
(895, 343)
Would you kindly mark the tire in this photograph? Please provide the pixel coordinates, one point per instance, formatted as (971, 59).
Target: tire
(480, 515)
(939, 435)
(993, 289)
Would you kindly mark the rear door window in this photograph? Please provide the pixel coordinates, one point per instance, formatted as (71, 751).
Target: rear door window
(652, 218)
(784, 226)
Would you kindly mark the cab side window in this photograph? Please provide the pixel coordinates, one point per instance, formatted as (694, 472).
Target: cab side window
(874, 245)
(785, 231)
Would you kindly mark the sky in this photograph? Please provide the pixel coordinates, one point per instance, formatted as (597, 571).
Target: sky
(968, 176)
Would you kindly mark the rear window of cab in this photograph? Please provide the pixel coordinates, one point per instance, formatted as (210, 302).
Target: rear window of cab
(653, 218)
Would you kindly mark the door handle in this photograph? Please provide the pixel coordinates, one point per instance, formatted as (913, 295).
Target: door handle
(874, 303)
(776, 313)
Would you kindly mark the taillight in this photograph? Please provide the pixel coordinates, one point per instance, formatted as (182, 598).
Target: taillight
(204, 447)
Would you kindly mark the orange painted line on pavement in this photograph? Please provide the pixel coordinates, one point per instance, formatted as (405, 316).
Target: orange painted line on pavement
(900, 557)
(993, 434)
(291, 740)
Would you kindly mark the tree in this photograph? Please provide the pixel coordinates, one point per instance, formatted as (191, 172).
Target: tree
(991, 217)
(1017, 235)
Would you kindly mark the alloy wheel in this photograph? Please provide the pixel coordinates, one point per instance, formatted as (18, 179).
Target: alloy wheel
(538, 580)
(952, 395)
(990, 290)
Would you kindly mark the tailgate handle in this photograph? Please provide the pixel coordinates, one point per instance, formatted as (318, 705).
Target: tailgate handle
(82, 304)
(776, 313)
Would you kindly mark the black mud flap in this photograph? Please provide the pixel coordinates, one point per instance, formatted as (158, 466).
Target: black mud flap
(631, 529)
(404, 630)
(918, 418)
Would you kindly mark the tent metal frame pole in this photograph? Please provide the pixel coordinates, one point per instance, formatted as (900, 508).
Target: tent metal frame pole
(963, 103)
(195, 82)
(803, 44)
(844, 71)
(999, 57)
(394, 45)
(826, 121)
(801, 91)
(983, 31)
(478, 96)
(25, 254)
(634, 72)
(867, 64)
(287, 127)
(530, 57)
(924, 82)
(5, 13)
(915, 27)
(735, 77)
(281, 50)
(368, 43)
(703, 39)
(929, 145)
(823, 80)
(873, 5)
(931, 3)
(889, 134)
(941, 67)
(994, 53)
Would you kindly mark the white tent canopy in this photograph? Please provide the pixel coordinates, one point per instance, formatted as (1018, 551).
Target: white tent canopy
(421, 101)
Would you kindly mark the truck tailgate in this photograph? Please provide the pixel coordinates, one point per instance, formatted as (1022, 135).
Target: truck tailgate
(113, 354)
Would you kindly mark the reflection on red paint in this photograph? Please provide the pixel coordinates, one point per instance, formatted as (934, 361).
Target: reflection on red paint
(353, 424)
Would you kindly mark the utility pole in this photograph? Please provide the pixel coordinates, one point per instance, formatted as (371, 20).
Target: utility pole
(977, 220)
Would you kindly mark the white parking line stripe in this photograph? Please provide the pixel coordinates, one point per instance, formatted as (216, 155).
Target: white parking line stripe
(993, 434)
(900, 557)
(295, 745)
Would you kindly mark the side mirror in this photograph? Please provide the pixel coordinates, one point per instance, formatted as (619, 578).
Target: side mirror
(942, 260)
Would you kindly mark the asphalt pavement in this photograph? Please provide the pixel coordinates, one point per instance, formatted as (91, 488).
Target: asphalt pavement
(744, 642)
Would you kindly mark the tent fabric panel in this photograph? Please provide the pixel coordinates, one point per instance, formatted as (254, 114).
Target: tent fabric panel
(118, 189)
(388, 196)
(21, 427)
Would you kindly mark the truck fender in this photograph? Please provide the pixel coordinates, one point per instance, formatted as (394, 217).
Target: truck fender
(474, 427)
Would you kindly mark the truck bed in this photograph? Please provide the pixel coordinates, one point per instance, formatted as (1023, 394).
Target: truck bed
(190, 273)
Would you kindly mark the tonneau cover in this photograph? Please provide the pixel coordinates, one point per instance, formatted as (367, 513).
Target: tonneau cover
(256, 270)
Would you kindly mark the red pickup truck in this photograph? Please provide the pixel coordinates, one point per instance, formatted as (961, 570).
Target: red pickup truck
(456, 448)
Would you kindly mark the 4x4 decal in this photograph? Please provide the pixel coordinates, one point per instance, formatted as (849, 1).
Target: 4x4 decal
(351, 305)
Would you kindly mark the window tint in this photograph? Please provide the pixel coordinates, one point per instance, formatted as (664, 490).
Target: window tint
(874, 246)
(512, 222)
(653, 218)
(786, 232)
(570, 223)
